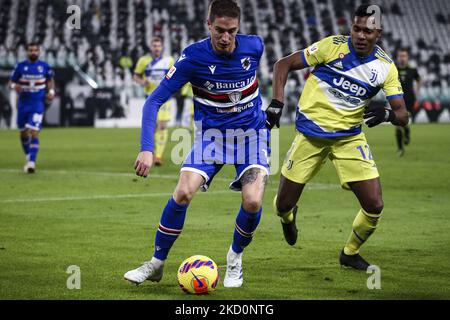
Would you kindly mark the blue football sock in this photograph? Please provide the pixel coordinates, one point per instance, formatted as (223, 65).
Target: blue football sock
(246, 223)
(34, 148)
(170, 226)
(25, 144)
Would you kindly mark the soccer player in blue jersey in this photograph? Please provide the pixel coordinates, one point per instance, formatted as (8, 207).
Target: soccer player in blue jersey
(222, 70)
(348, 72)
(33, 80)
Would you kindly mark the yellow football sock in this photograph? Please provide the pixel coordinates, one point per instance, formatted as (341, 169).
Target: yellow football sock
(286, 217)
(161, 137)
(363, 226)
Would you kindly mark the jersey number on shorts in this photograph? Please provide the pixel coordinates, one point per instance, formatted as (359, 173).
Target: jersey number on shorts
(369, 154)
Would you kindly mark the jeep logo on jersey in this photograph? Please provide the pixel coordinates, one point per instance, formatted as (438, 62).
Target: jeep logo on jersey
(245, 63)
(352, 87)
(235, 96)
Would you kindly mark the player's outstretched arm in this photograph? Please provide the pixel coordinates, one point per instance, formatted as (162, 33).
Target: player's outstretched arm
(144, 159)
(397, 115)
(281, 71)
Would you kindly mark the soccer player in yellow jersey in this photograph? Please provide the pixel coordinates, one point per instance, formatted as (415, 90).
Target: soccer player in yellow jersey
(149, 71)
(348, 72)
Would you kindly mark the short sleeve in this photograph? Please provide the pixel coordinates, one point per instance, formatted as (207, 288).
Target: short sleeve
(16, 74)
(261, 48)
(316, 53)
(140, 66)
(49, 74)
(392, 86)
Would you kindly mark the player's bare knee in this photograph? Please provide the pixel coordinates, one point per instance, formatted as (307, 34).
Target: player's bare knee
(34, 133)
(25, 133)
(252, 204)
(284, 205)
(183, 195)
(374, 207)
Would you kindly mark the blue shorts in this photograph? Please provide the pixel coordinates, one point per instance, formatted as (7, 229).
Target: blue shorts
(29, 120)
(213, 149)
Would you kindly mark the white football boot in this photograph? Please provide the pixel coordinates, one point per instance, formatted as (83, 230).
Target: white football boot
(234, 274)
(30, 167)
(148, 271)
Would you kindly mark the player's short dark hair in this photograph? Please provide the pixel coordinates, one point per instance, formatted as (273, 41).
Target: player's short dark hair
(32, 44)
(364, 11)
(403, 49)
(224, 8)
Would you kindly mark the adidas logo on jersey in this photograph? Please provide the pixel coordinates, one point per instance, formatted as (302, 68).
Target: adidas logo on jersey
(338, 65)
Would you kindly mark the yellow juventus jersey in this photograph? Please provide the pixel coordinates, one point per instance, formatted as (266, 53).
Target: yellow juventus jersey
(340, 87)
(154, 70)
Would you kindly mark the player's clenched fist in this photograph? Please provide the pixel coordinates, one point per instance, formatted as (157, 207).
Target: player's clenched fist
(373, 116)
(273, 114)
(143, 163)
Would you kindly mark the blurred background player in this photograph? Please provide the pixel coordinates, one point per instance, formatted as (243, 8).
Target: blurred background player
(32, 79)
(149, 71)
(408, 75)
(228, 62)
(348, 72)
(185, 107)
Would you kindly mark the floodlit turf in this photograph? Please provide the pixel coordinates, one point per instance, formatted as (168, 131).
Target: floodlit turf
(85, 207)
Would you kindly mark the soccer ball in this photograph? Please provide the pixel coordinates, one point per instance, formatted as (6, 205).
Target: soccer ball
(198, 274)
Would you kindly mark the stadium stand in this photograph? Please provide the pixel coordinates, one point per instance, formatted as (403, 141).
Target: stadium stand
(114, 33)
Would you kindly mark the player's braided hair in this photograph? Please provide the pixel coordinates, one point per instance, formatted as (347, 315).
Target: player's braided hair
(224, 8)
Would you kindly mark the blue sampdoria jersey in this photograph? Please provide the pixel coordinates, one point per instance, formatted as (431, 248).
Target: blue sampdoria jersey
(225, 87)
(33, 77)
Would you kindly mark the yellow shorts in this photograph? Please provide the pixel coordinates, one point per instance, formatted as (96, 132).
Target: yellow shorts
(351, 157)
(165, 112)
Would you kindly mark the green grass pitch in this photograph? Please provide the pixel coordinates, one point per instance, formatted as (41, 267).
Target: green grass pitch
(85, 207)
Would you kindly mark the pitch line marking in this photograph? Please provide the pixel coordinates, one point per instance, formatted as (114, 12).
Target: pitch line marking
(113, 196)
(314, 186)
(134, 195)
